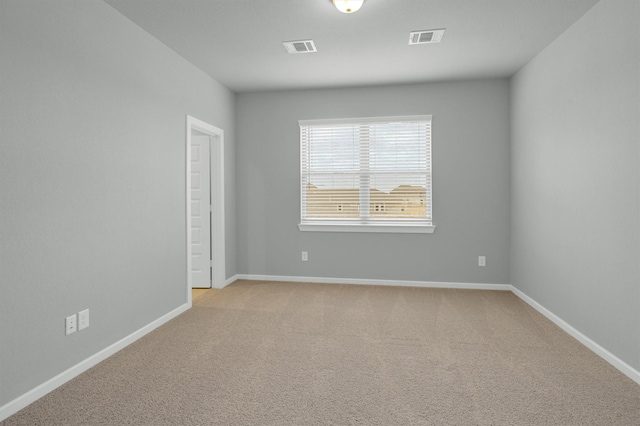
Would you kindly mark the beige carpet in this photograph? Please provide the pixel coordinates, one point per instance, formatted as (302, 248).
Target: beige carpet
(261, 353)
(197, 292)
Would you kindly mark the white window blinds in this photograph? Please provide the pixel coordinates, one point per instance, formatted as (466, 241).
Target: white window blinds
(366, 171)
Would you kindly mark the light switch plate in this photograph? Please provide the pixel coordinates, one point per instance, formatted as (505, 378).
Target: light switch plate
(83, 319)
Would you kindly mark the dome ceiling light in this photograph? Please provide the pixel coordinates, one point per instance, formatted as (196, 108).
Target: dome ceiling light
(348, 6)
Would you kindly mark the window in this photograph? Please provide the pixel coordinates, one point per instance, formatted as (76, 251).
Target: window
(366, 174)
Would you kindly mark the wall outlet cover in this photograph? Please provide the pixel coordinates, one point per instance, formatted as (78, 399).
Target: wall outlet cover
(70, 324)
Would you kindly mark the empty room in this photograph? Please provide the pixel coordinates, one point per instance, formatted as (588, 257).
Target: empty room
(310, 212)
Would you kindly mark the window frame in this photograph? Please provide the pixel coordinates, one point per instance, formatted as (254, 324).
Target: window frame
(397, 225)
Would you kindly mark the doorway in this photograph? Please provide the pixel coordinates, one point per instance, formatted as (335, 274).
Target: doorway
(205, 239)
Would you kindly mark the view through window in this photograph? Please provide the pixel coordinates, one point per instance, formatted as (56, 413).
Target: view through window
(366, 171)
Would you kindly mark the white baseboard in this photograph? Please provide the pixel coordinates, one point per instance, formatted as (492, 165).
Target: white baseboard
(625, 368)
(425, 284)
(38, 392)
(230, 280)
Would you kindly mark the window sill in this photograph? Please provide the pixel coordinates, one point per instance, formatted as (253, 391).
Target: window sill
(397, 229)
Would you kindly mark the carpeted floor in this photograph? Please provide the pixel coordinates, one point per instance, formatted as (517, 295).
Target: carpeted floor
(261, 353)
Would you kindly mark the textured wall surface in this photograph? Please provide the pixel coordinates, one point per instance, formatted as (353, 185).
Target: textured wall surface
(575, 187)
(470, 185)
(92, 179)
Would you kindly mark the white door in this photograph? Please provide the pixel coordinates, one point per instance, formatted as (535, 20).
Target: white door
(200, 212)
(209, 243)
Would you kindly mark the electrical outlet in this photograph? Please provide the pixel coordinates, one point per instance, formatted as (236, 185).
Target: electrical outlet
(83, 319)
(305, 256)
(70, 325)
(482, 260)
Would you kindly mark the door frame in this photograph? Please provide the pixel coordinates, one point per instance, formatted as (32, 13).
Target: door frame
(216, 152)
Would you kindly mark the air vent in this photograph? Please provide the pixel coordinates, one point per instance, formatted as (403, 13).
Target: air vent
(300, 46)
(427, 36)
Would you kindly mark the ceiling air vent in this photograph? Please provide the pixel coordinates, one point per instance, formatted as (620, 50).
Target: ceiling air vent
(300, 46)
(427, 36)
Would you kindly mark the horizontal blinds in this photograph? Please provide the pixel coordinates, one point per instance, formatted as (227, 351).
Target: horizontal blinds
(366, 170)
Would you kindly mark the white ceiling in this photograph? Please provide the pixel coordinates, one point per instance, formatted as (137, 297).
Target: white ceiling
(239, 42)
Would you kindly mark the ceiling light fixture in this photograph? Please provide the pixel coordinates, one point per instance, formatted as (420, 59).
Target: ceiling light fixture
(348, 6)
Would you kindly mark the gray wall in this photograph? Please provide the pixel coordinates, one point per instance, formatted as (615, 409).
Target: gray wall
(470, 189)
(575, 209)
(92, 197)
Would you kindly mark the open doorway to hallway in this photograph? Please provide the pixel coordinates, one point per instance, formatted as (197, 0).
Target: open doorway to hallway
(205, 236)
